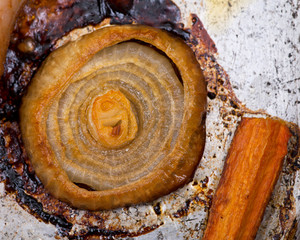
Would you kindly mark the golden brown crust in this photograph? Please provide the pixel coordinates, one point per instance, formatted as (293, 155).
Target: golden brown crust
(251, 171)
(177, 167)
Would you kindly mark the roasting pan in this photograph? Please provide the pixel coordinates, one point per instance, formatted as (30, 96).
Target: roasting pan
(258, 44)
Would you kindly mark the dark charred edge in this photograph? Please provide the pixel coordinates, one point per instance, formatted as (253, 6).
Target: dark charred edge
(30, 203)
(176, 30)
(94, 232)
(162, 14)
(12, 160)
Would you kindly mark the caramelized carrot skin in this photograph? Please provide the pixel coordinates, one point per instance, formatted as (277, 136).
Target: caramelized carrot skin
(250, 173)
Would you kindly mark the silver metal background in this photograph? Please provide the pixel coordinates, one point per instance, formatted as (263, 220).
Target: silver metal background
(259, 46)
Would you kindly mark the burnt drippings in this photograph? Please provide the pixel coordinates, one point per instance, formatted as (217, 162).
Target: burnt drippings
(195, 200)
(294, 145)
(163, 14)
(204, 182)
(157, 208)
(122, 6)
(94, 233)
(98, 233)
(183, 211)
(201, 33)
(19, 177)
(39, 25)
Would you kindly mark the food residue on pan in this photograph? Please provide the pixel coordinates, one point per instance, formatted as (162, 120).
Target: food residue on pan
(30, 45)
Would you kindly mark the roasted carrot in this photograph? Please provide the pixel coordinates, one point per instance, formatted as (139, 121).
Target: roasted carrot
(250, 173)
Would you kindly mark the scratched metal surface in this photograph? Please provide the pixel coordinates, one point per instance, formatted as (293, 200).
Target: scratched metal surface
(258, 44)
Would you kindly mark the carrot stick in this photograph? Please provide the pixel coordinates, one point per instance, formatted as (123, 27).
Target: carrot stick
(250, 173)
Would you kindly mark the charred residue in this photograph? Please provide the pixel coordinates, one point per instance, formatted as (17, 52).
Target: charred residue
(17, 176)
(96, 232)
(184, 210)
(39, 26)
(41, 23)
(293, 156)
(157, 208)
(194, 201)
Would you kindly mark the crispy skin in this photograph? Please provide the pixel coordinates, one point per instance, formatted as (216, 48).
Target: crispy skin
(251, 170)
